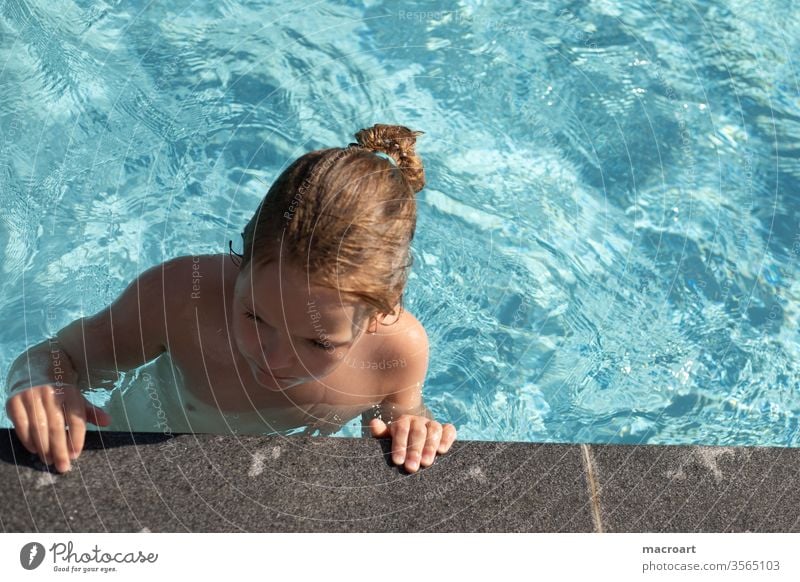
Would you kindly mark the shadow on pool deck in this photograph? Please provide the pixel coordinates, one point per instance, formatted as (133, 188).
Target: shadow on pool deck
(148, 482)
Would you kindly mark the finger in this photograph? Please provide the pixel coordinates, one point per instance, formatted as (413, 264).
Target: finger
(97, 416)
(416, 440)
(431, 443)
(399, 430)
(38, 427)
(378, 428)
(58, 436)
(19, 416)
(448, 437)
(76, 420)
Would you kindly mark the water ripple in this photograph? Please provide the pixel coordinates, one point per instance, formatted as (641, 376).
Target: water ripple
(607, 246)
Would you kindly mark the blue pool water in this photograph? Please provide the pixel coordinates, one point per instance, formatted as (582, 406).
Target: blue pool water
(608, 244)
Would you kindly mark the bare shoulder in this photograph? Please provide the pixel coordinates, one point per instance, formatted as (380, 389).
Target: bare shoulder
(188, 275)
(134, 328)
(405, 352)
(189, 281)
(188, 264)
(406, 336)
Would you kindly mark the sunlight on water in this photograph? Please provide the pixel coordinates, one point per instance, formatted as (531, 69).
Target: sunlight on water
(607, 248)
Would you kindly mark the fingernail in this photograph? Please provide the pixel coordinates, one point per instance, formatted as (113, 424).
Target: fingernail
(398, 459)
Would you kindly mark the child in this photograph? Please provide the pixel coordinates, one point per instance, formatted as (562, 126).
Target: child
(288, 335)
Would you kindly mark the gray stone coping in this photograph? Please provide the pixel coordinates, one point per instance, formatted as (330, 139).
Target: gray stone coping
(126, 482)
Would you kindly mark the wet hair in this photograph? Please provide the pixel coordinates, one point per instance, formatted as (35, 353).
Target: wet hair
(346, 216)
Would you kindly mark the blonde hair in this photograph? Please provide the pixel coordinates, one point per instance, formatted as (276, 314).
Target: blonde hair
(347, 217)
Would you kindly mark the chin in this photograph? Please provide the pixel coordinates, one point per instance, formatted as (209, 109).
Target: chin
(264, 379)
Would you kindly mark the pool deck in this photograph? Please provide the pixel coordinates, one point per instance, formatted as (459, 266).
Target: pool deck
(146, 482)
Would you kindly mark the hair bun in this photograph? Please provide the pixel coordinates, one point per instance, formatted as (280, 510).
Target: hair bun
(398, 143)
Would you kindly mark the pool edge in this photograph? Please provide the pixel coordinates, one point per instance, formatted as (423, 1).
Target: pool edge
(148, 482)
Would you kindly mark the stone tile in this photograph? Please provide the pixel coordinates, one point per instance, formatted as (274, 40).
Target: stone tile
(99, 494)
(698, 489)
(213, 483)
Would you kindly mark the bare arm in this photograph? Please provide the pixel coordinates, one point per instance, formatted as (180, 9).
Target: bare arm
(388, 412)
(130, 332)
(416, 435)
(123, 336)
(45, 363)
(404, 393)
(42, 385)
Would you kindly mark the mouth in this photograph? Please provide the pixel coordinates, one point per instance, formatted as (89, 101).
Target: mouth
(270, 375)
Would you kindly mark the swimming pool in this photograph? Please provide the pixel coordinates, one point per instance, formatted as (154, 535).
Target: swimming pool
(607, 247)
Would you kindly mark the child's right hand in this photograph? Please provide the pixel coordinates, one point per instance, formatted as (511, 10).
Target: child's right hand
(41, 414)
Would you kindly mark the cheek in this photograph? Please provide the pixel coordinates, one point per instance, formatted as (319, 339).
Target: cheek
(322, 362)
(244, 334)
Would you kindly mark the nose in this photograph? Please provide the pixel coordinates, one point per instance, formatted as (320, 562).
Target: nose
(277, 353)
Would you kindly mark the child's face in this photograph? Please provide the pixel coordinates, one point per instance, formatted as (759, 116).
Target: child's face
(284, 329)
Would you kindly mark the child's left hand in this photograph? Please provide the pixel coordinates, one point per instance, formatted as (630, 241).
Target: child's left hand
(415, 439)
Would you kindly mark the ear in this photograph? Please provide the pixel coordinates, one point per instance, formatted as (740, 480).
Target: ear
(372, 324)
(378, 319)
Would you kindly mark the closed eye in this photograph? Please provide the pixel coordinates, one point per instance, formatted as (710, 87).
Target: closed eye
(319, 344)
(313, 342)
(253, 316)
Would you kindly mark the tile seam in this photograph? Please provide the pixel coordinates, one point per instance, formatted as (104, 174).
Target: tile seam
(594, 494)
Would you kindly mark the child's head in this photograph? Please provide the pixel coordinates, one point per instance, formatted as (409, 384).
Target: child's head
(344, 219)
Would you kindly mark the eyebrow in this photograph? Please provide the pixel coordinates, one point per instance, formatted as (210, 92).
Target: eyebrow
(333, 343)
